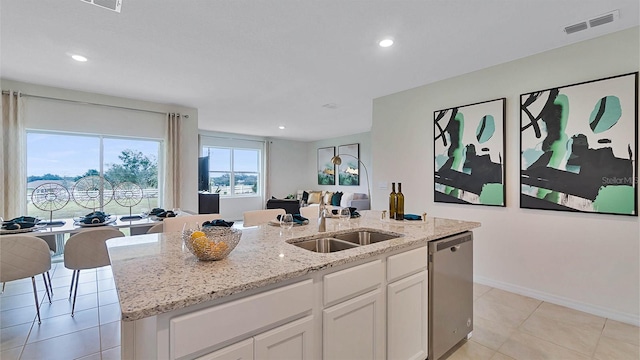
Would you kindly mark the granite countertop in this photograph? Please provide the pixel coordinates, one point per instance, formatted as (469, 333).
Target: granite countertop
(155, 273)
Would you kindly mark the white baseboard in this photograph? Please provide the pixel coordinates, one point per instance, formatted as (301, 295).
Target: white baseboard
(627, 318)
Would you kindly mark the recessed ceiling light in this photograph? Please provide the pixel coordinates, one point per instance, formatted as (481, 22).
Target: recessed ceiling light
(281, 127)
(385, 43)
(79, 58)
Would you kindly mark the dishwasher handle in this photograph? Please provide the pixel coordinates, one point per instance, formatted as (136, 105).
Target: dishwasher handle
(452, 242)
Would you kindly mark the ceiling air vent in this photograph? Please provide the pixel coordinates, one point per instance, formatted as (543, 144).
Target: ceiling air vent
(114, 5)
(603, 19)
(576, 27)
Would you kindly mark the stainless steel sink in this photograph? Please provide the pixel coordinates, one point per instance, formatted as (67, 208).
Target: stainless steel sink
(337, 242)
(325, 245)
(365, 237)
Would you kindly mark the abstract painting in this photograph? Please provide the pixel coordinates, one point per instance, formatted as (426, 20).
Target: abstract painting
(578, 147)
(469, 154)
(326, 169)
(349, 170)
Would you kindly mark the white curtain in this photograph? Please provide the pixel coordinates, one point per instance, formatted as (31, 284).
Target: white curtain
(13, 173)
(172, 173)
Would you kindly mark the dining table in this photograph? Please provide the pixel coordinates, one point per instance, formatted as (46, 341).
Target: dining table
(54, 235)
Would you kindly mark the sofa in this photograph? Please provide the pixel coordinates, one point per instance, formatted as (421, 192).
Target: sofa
(291, 206)
(359, 201)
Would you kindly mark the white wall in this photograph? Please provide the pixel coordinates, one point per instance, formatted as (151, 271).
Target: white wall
(585, 261)
(43, 114)
(311, 178)
(288, 167)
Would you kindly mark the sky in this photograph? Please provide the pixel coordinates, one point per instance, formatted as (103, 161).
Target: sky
(72, 155)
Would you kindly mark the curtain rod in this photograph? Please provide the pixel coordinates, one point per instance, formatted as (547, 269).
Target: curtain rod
(4, 92)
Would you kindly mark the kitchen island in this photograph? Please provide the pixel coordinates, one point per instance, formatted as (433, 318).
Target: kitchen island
(174, 306)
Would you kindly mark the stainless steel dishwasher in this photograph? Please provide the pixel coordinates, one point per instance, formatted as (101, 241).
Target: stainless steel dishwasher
(450, 292)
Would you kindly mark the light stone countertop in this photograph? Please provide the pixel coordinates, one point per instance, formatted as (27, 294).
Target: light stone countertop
(155, 273)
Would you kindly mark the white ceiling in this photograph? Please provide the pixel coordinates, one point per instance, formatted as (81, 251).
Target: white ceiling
(249, 66)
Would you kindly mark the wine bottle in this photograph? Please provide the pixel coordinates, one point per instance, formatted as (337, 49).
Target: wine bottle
(392, 202)
(399, 203)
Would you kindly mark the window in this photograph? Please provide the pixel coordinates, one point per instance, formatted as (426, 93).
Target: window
(65, 158)
(233, 171)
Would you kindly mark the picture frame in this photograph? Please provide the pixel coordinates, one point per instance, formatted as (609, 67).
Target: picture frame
(326, 169)
(469, 154)
(579, 147)
(349, 169)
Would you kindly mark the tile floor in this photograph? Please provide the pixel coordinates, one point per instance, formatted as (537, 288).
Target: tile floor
(507, 325)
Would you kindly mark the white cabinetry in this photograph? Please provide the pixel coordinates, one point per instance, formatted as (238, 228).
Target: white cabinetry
(354, 329)
(239, 351)
(407, 309)
(290, 341)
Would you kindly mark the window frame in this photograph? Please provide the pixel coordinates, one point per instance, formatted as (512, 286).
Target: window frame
(101, 166)
(232, 172)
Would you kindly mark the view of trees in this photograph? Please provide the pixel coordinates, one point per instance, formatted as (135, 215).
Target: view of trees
(135, 167)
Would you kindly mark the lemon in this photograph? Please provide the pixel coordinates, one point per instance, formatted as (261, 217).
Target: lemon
(197, 234)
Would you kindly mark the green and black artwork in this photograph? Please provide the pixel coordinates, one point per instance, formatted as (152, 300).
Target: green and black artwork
(579, 147)
(469, 154)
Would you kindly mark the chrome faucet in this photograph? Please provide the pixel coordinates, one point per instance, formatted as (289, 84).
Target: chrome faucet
(322, 222)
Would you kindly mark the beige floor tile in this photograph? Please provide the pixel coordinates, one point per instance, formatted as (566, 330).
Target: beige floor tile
(106, 284)
(490, 333)
(10, 302)
(111, 354)
(14, 336)
(582, 338)
(110, 335)
(22, 286)
(522, 346)
(502, 314)
(17, 316)
(63, 306)
(569, 316)
(479, 290)
(609, 349)
(69, 346)
(110, 313)
(500, 356)
(515, 301)
(11, 354)
(472, 351)
(95, 356)
(108, 297)
(621, 331)
(64, 324)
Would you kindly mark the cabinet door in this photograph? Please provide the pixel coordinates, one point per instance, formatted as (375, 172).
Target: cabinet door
(238, 351)
(354, 329)
(407, 313)
(290, 341)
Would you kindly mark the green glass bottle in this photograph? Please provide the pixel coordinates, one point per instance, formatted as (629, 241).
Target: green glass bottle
(399, 203)
(392, 202)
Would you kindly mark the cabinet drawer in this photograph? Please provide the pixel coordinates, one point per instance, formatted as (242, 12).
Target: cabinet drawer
(406, 263)
(201, 329)
(347, 283)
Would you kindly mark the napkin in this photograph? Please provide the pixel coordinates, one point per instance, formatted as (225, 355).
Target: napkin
(298, 219)
(217, 222)
(166, 214)
(412, 217)
(156, 211)
(96, 217)
(22, 222)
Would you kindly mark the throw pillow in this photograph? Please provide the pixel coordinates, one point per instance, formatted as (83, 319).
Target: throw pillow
(335, 199)
(305, 197)
(314, 197)
(346, 199)
(327, 197)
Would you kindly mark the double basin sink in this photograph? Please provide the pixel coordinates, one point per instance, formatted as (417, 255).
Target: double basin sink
(326, 243)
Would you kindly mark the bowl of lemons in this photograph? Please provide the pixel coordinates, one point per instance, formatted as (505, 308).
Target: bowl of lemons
(211, 242)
